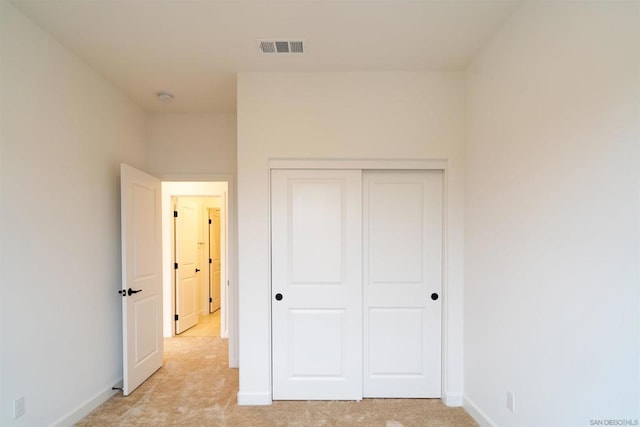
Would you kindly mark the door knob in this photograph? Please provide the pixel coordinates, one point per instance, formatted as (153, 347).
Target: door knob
(132, 291)
(434, 296)
(197, 269)
(278, 297)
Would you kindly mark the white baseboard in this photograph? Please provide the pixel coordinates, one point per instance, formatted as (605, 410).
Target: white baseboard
(477, 413)
(452, 399)
(89, 405)
(254, 398)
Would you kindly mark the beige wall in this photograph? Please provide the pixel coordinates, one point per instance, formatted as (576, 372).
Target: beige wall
(191, 144)
(552, 220)
(338, 115)
(65, 131)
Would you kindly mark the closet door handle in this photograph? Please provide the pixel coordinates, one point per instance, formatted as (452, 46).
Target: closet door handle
(278, 297)
(434, 296)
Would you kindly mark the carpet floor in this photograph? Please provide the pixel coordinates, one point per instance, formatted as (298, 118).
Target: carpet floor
(195, 388)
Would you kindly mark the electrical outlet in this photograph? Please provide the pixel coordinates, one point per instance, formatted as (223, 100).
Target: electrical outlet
(18, 408)
(511, 401)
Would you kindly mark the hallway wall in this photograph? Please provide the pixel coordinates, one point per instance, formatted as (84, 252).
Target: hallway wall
(191, 143)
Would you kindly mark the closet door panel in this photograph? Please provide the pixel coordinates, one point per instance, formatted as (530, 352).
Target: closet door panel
(316, 226)
(402, 271)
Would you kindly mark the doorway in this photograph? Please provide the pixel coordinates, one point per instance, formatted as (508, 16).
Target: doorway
(221, 195)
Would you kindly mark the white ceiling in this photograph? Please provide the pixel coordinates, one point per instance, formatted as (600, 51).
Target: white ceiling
(194, 48)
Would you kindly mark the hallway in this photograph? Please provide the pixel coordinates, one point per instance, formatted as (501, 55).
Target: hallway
(195, 387)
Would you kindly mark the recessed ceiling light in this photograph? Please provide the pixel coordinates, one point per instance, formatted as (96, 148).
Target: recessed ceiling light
(164, 96)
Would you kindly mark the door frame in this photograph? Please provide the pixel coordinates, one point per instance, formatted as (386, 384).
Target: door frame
(200, 185)
(449, 347)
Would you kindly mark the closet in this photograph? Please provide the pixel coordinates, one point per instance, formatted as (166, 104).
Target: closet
(356, 283)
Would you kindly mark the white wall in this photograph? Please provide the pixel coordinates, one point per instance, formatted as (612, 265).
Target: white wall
(552, 217)
(338, 115)
(65, 131)
(191, 143)
(213, 202)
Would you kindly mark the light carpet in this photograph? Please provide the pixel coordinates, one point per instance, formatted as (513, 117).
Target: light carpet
(195, 388)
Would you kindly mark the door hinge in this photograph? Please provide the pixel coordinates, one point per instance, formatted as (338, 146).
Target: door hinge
(210, 299)
(175, 317)
(209, 260)
(175, 214)
(175, 265)
(209, 220)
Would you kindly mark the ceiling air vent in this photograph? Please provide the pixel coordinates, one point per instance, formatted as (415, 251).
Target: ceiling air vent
(281, 46)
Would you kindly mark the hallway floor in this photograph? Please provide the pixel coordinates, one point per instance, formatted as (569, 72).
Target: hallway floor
(195, 388)
(208, 326)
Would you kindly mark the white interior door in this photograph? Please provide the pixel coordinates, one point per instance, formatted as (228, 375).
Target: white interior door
(214, 259)
(316, 284)
(141, 276)
(186, 258)
(402, 283)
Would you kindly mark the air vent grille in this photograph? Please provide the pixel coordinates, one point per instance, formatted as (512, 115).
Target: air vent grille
(281, 46)
(296, 47)
(267, 47)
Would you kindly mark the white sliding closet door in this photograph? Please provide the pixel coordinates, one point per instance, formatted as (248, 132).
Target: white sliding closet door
(316, 226)
(402, 283)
